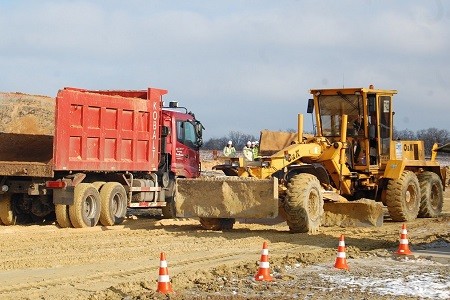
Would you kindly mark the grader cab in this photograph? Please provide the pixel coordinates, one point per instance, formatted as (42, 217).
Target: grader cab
(351, 156)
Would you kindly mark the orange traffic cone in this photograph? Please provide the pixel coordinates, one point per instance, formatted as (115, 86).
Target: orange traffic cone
(264, 269)
(341, 261)
(403, 248)
(164, 285)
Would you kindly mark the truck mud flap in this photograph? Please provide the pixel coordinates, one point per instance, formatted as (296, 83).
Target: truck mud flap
(226, 197)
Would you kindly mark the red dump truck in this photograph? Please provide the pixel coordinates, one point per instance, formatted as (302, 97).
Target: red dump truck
(90, 155)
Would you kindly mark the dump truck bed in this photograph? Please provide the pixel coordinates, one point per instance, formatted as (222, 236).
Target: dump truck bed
(26, 134)
(107, 130)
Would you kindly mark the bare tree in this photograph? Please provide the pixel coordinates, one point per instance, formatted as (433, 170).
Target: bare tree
(239, 140)
(405, 135)
(433, 135)
(215, 143)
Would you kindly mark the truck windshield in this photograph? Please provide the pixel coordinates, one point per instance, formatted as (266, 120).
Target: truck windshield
(331, 108)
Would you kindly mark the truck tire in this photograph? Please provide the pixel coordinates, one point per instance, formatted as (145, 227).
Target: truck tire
(98, 184)
(432, 197)
(303, 203)
(7, 214)
(403, 197)
(85, 211)
(62, 215)
(113, 204)
(217, 224)
(169, 211)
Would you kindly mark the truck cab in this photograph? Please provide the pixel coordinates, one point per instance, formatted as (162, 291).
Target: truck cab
(183, 141)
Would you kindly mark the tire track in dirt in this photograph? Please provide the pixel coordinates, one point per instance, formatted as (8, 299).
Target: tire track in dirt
(124, 271)
(46, 262)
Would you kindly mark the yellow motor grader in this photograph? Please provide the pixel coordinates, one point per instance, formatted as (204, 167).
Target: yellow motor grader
(352, 156)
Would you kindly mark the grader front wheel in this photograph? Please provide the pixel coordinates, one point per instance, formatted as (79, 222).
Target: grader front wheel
(403, 197)
(303, 204)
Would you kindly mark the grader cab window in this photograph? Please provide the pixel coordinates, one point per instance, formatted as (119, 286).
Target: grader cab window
(331, 109)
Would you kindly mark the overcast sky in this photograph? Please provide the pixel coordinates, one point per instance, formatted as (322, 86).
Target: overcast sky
(239, 65)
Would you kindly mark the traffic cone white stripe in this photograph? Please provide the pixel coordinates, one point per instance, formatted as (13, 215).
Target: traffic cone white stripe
(264, 264)
(163, 264)
(341, 243)
(265, 251)
(163, 278)
(341, 254)
(404, 231)
(404, 241)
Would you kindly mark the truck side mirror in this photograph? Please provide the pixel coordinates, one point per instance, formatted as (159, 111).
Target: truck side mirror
(310, 108)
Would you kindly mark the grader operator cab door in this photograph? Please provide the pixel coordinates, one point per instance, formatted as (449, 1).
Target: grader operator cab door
(385, 128)
(380, 117)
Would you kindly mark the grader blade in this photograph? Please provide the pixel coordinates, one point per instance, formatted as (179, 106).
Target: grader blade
(360, 213)
(227, 197)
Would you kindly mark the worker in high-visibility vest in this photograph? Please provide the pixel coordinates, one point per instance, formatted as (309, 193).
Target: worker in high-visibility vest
(229, 150)
(248, 152)
(255, 146)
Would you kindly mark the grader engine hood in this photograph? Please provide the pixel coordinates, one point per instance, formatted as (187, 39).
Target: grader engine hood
(227, 197)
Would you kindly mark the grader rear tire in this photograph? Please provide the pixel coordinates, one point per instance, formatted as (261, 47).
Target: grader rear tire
(7, 214)
(432, 198)
(62, 215)
(403, 197)
(217, 224)
(85, 211)
(303, 204)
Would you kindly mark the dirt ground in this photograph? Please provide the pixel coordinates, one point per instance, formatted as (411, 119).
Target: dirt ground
(121, 262)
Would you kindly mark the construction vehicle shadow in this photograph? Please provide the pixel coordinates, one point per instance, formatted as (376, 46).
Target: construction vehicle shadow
(327, 237)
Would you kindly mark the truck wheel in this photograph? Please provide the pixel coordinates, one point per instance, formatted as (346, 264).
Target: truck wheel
(7, 213)
(114, 204)
(403, 197)
(85, 210)
(217, 224)
(432, 198)
(62, 215)
(168, 211)
(98, 184)
(303, 203)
